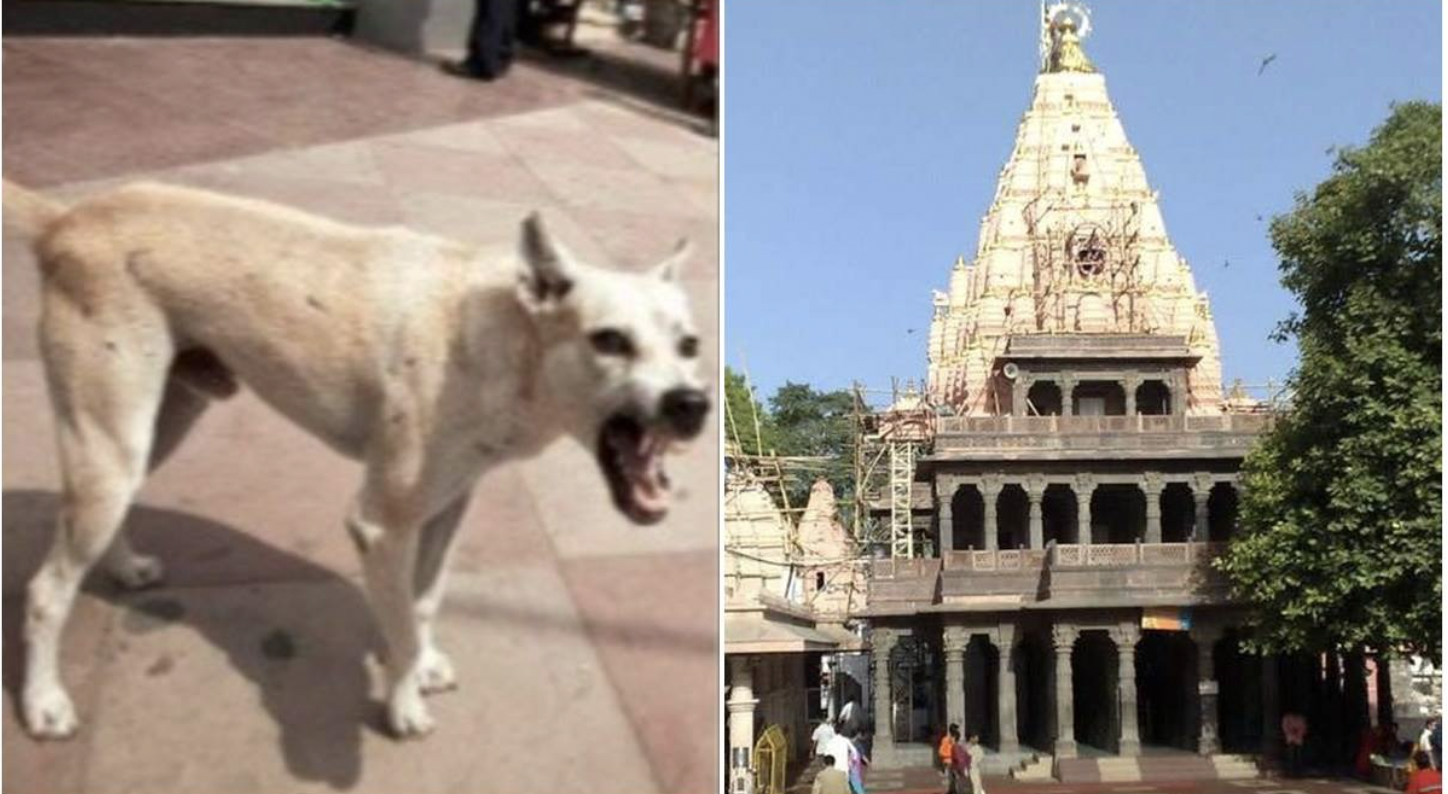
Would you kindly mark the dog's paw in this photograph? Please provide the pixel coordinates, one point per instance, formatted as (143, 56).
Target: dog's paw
(407, 715)
(49, 714)
(137, 571)
(435, 672)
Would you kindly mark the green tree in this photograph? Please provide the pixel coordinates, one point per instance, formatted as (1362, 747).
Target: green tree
(741, 409)
(1341, 508)
(813, 423)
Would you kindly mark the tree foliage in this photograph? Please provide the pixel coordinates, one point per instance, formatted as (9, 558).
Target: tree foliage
(799, 421)
(1341, 505)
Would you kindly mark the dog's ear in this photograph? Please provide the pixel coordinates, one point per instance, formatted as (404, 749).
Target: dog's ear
(668, 270)
(547, 272)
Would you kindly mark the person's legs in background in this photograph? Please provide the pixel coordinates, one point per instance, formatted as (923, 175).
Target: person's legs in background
(490, 41)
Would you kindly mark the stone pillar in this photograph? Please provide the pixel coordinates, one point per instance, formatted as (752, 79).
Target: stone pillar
(1019, 387)
(1063, 639)
(882, 641)
(1271, 710)
(1201, 492)
(1035, 492)
(955, 641)
(741, 725)
(1129, 386)
(1126, 636)
(1178, 386)
(945, 505)
(1206, 636)
(1006, 690)
(990, 491)
(1068, 395)
(1085, 489)
(1152, 486)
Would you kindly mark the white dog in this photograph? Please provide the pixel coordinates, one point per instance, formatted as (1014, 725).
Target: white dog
(427, 360)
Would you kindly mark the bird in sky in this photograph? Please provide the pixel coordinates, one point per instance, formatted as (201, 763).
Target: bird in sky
(1265, 61)
(1226, 263)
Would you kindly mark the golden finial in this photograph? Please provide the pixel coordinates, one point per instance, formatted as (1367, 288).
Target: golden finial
(1066, 24)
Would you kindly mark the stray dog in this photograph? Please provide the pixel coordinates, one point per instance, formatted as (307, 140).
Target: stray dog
(427, 360)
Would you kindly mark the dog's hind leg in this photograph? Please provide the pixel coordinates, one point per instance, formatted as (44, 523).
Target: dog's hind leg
(180, 408)
(106, 386)
(435, 670)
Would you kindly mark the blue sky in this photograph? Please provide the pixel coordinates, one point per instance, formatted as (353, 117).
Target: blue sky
(863, 138)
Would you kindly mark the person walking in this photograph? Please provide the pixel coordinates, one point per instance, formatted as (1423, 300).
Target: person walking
(821, 737)
(839, 748)
(1294, 732)
(960, 763)
(490, 41)
(858, 762)
(830, 780)
(946, 753)
(1424, 779)
(977, 763)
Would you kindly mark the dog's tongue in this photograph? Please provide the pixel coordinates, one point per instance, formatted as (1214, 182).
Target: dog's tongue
(649, 485)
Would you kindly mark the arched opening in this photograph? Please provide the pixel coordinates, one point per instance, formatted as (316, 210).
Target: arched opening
(967, 518)
(1058, 515)
(1034, 707)
(982, 671)
(1013, 517)
(1044, 399)
(1178, 511)
(1239, 699)
(1222, 511)
(1093, 687)
(1166, 689)
(1153, 398)
(1098, 398)
(1118, 514)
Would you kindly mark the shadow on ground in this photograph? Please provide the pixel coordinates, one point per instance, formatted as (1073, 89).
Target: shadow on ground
(320, 726)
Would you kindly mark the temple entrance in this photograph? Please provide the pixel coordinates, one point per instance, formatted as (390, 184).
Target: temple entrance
(1239, 702)
(1034, 705)
(1166, 689)
(1093, 687)
(915, 684)
(982, 691)
(1118, 514)
(967, 511)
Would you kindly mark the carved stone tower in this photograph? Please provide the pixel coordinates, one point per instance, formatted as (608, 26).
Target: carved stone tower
(1073, 246)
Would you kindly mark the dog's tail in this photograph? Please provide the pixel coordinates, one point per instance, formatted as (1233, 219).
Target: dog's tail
(29, 211)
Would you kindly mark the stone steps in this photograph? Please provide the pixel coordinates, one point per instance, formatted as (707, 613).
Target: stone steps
(1156, 768)
(178, 17)
(1037, 767)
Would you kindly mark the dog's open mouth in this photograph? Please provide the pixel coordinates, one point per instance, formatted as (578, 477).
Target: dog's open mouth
(632, 459)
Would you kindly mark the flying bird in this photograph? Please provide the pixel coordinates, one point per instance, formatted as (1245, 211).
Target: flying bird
(1226, 263)
(1265, 61)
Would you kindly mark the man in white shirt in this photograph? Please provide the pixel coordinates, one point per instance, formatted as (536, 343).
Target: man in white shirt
(821, 738)
(842, 749)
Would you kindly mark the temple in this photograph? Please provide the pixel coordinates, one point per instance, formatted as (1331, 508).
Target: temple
(1073, 473)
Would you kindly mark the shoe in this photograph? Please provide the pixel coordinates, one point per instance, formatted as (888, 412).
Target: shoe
(468, 71)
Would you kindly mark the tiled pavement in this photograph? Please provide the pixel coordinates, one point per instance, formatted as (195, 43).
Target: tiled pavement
(586, 646)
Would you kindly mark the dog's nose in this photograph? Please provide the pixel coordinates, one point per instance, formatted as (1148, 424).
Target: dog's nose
(685, 410)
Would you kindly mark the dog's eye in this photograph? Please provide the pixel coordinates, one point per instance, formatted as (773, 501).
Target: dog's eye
(611, 343)
(689, 346)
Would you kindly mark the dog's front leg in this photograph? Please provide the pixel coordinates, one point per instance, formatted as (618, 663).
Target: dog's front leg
(434, 555)
(387, 537)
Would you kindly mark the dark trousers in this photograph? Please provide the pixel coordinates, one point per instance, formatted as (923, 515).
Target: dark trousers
(490, 43)
(1294, 760)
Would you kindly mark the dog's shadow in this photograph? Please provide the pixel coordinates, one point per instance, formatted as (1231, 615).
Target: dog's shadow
(321, 725)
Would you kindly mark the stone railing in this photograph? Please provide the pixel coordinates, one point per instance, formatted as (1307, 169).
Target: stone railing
(1122, 555)
(1003, 560)
(917, 568)
(1139, 423)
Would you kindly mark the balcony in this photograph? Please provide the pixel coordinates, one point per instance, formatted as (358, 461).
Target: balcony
(1122, 574)
(1096, 437)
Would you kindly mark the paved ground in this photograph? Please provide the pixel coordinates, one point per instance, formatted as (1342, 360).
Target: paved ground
(570, 627)
(925, 781)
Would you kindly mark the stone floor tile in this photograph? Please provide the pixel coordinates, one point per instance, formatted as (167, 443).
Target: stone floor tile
(662, 654)
(191, 666)
(415, 168)
(617, 189)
